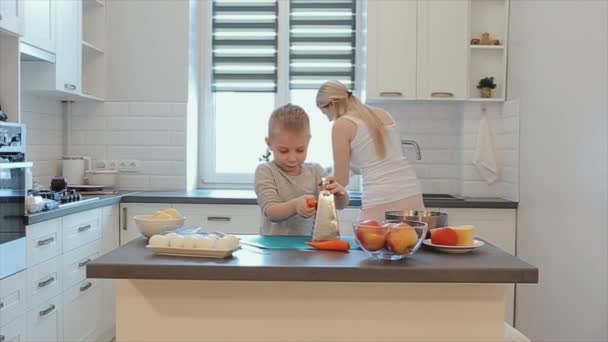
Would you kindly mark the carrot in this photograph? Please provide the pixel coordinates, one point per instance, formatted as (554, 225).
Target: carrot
(311, 202)
(330, 245)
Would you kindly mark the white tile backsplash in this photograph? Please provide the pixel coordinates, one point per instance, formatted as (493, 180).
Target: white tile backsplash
(45, 136)
(151, 132)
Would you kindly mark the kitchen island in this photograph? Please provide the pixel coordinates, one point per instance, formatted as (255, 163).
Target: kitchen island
(300, 295)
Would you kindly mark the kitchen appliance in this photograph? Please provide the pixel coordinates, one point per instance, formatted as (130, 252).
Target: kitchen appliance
(74, 169)
(13, 169)
(105, 178)
(64, 198)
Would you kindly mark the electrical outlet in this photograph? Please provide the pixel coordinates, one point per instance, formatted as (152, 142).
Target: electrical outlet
(101, 164)
(128, 165)
(111, 165)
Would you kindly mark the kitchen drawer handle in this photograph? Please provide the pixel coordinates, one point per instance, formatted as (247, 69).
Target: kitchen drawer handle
(391, 93)
(69, 86)
(124, 218)
(45, 241)
(46, 282)
(1, 305)
(47, 311)
(84, 263)
(442, 94)
(1, 336)
(218, 218)
(86, 287)
(84, 228)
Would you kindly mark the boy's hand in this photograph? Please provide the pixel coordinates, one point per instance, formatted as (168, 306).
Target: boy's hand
(302, 205)
(334, 187)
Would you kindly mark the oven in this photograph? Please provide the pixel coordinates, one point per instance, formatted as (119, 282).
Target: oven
(13, 174)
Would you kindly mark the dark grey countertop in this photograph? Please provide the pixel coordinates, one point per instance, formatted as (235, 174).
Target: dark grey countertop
(211, 196)
(216, 196)
(487, 264)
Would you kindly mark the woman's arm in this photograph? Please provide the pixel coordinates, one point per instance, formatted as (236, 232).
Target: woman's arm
(342, 133)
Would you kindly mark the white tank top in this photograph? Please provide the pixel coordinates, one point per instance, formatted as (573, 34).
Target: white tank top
(384, 180)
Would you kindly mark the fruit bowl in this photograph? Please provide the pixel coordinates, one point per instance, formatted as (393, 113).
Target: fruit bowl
(391, 239)
(149, 226)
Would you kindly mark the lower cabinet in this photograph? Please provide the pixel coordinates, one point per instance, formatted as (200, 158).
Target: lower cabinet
(81, 314)
(14, 331)
(45, 321)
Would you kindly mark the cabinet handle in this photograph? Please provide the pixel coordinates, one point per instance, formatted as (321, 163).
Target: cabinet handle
(69, 86)
(84, 263)
(1, 305)
(1, 336)
(46, 282)
(45, 241)
(442, 94)
(218, 218)
(47, 311)
(0, 16)
(86, 287)
(124, 218)
(391, 93)
(84, 228)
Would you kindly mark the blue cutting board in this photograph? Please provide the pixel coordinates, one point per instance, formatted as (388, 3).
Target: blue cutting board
(296, 242)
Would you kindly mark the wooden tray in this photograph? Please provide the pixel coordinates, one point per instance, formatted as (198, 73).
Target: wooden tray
(196, 253)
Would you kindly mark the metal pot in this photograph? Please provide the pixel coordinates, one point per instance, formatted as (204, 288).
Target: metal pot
(434, 219)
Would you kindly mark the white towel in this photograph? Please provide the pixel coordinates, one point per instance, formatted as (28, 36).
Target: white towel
(484, 158)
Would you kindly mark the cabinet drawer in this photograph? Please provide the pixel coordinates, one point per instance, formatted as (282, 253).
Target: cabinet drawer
(43, 241)
(82, 312)
(235, 219)
(45, 322)
(80, 229)
(14, 331)
(12, 297)
(74, 263)
(43, 282)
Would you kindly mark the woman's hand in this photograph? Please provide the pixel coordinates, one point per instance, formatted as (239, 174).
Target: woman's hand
(302, 207)
(334, 187)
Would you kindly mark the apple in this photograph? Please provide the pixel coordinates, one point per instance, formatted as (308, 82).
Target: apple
(401, 238)
(366, 223)
(444, 236)
(371, 237)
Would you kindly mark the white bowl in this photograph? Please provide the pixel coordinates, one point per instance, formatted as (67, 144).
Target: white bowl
(149, 226)
(106, 178)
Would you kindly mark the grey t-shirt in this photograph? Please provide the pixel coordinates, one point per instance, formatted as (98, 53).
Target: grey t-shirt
(272, 185)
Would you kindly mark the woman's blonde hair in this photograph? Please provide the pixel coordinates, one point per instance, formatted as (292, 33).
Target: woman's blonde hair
(346, 103)
(289, 117)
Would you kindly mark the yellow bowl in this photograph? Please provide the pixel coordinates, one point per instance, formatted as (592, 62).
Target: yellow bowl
(149, 226)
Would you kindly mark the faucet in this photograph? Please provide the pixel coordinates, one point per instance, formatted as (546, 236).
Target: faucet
(416, 146)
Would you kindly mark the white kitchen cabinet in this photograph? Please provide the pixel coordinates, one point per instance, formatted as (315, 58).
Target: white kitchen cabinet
(11, 16)
(496, 226)
(128, 229)
(14, 331)
(64, 77)
(39, 24)
(443, 49)
(110, 223)
(391, 49)
(12, 297)
(45, 322)
(80, 229)
(44, 281)
(43, 241)
(81, 315)
(227, 218)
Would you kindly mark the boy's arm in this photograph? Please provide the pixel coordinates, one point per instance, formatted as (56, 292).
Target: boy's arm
(270, 202)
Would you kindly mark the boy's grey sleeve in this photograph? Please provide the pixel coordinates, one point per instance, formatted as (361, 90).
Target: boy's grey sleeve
(265, 187)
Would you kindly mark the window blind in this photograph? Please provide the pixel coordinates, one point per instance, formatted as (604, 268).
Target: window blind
(322, 42)
(244, 45)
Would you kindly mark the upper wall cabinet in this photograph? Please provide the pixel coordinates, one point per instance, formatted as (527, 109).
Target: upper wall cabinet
(39, 27)
(391, 46)
(11, 16)
(443, 49)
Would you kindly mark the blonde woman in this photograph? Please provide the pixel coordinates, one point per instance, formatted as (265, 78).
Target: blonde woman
(366, 140)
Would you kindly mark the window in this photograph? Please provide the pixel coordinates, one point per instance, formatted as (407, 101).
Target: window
(262, 54)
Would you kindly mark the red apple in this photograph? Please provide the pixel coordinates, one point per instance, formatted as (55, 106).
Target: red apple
(370, 223)
(444, 236)
(401, 238)
(371, 238)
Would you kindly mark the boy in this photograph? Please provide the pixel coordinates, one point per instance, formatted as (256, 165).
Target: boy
(284, 184)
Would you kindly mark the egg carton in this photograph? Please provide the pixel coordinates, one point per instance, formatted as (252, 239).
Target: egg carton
(193, 252)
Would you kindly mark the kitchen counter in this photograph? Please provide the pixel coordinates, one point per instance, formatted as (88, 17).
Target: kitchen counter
(294, 296)
(213, 196)
(488, 264)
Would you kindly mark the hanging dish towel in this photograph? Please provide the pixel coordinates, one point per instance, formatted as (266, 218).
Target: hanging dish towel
(484, 158)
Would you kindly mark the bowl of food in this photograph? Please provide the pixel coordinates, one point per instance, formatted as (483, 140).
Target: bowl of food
(391, 239)
(150, 225)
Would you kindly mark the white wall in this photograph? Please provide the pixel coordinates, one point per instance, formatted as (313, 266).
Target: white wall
(558, 71)
(45, 136)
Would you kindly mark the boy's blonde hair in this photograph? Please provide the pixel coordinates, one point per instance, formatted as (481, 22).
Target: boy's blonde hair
(346, 103)
(289, 117)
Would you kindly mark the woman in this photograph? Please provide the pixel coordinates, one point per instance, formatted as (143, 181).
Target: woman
(366, 140)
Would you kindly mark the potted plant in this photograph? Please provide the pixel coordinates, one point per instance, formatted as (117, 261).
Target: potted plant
(485, 86)
(266, 156)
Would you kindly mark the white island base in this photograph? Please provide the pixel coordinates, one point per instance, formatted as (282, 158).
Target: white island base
(222, 311)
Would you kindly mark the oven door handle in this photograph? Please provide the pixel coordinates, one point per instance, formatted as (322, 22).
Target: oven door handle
(16, 165)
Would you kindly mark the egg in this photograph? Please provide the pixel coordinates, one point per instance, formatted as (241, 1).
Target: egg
(176, 241)
(224, 244)
(158, 241)
(170, 235)
(206, 242)
(190, 241)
